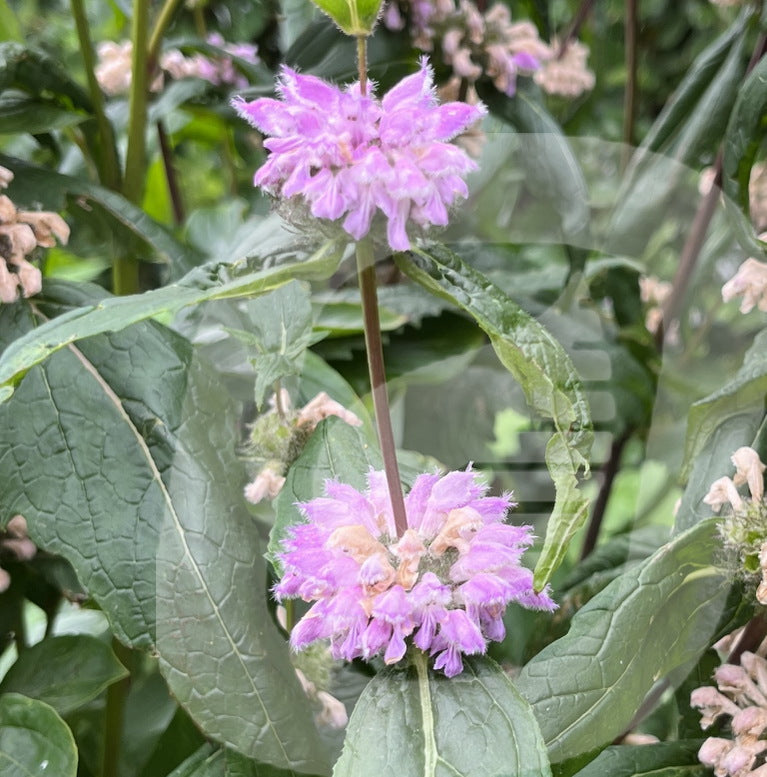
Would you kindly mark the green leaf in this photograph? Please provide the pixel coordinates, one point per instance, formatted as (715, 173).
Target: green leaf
(713, 462)
(552, 173)
(279, 332)
(745, 134)
(206, 762)
(19, 113)
(216, 280)
(354, 17)
(36, 72)
(121, 455)
(65, 672)
(665, 759)
(55, 191)
(418, 723)
(543, 369)
(743, 394)
(34, 740)
(335, 451)
(656, 618)
(695, 82)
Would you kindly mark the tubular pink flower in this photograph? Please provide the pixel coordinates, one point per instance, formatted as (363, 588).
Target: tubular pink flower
(352, 156)
(444, 585)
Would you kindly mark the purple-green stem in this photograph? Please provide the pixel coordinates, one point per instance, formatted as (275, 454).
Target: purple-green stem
(367, 279)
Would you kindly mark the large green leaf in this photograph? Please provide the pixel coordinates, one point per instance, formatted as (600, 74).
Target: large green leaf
(64, 672)
(82, 199)
(543, 369)
(656, 618)
(34, 740)
(745, 133)
(418, 723)
(665, 759)
(336, 451)
(207, 762)
(742, 394)
(121, 455)
(216, 280)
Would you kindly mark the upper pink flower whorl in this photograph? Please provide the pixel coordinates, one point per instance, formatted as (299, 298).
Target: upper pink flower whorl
(350, 155)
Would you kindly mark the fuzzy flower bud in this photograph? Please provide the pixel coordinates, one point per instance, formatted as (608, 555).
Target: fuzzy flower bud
(443, 586)
(351, 158)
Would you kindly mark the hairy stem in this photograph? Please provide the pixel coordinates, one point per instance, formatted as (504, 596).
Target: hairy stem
(125, 269)
(362, 63)
(108, 164)
(163, 20)
(373, 346)
(166, 150)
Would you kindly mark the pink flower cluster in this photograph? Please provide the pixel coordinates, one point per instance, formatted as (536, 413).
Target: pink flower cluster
(348, 154)
(444, 584)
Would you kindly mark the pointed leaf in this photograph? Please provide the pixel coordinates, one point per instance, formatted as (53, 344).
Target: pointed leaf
(34, 740)
(65, 672)
(121, 455)
(418, 723)
(215, 280)
(656, 618)
(742, 394)
(544, 371)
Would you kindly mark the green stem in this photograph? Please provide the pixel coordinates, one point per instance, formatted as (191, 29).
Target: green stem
(125, 269)
(135, 159)
(114, 714)
(163, 20)
(109, 167)
(372, 325)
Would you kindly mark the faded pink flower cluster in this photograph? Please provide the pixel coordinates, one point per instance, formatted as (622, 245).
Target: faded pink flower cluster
(742, 696)
(347, 155)
(113, 71)
(444, 585)
(271, 478)
(15, 544)
(486, 42)
(21, 232)
(750, 283)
